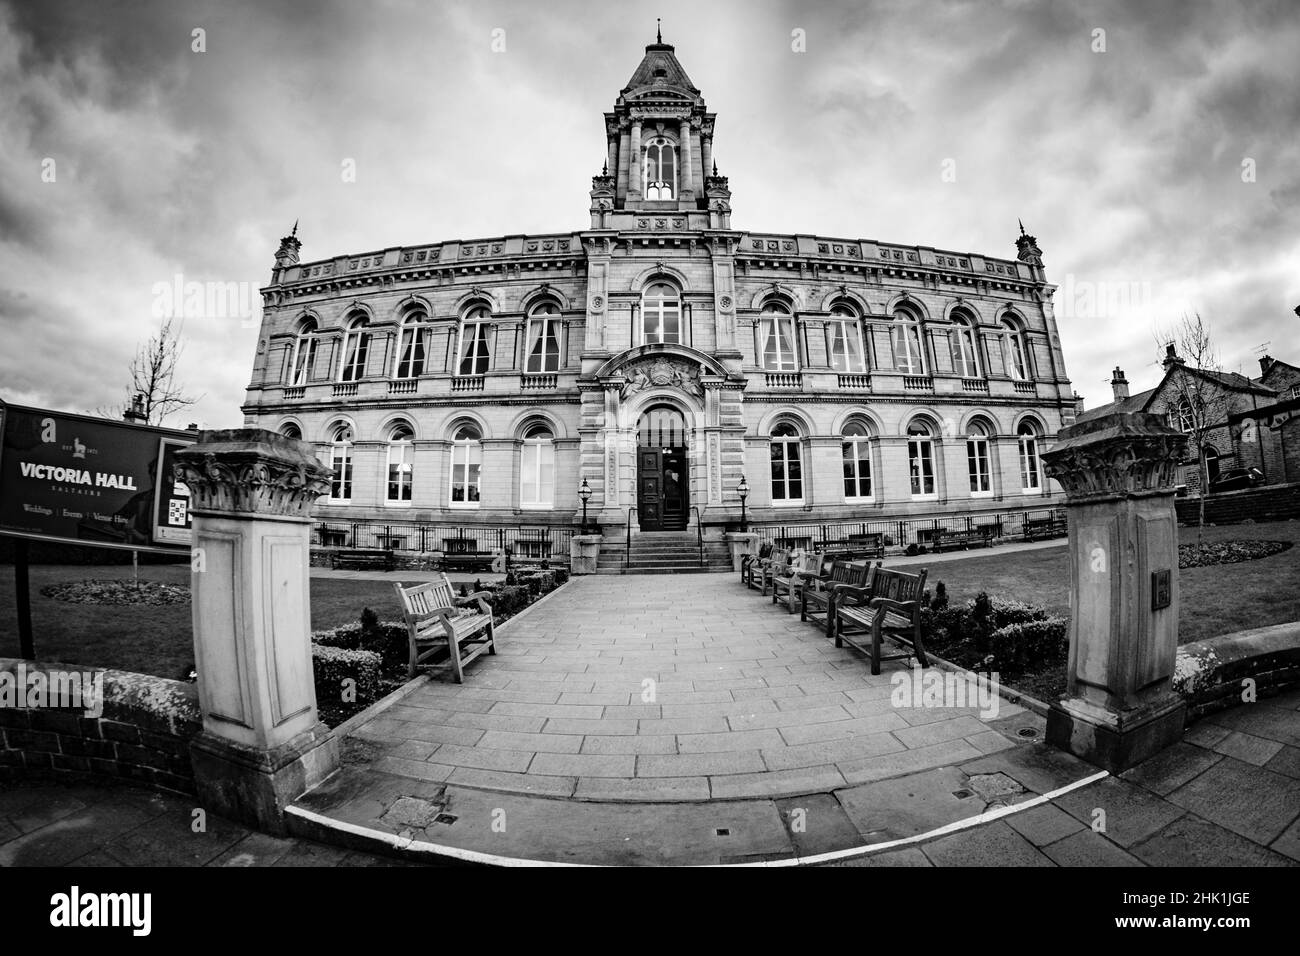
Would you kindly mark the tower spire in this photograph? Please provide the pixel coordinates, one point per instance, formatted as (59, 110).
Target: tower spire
(659, 32)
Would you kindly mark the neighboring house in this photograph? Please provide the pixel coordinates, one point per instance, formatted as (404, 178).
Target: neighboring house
(659, 355)
(1231, 405)
(1269, 434)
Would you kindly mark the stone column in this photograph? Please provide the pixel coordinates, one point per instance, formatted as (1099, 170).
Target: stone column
(687, 171)
(741, 544)
(634, 169)
(584, 553)
(706, 154)
(262, 745)
(1119, 706)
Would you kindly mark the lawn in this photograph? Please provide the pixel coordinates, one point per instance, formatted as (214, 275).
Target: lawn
(151, 640)
(1215, 600)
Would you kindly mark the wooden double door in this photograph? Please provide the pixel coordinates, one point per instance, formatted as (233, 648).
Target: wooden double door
(662, 489)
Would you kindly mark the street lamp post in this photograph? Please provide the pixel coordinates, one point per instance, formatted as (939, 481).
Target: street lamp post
(584, 493)
(743, 490)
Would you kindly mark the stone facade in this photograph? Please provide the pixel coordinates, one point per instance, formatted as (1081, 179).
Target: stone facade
(480, 382)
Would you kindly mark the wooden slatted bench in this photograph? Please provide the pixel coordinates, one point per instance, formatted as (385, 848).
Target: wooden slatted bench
(977, 537)
(756, 571)
(793, 579)
(463, 553)
(748, 560)
(1054, 527)
(779, 564)
(817, 599)
(363, 558)
(436, 619)
(890, 607)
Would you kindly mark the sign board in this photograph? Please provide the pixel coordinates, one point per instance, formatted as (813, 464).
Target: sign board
(92, 481)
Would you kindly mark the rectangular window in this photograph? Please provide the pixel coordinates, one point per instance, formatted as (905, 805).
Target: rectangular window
(304, 360)
(962, 345)
(474, 354)
(543, 345)
(920, 454)
(412, 351)
(466, 465)
(356, 348)
(776, 344)
(907, 348)
(537, 475)
(787, 475)
(844, 346)
(1029, 476)
(399, 473)
(341, 483)
(857, 470)
(977, 460)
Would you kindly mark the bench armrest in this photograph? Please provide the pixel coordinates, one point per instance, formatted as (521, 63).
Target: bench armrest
(476, 598)
(889, 604)
(847, 595)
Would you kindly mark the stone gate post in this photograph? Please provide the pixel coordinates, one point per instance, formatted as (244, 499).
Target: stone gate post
(262, 744)
(1119, 706)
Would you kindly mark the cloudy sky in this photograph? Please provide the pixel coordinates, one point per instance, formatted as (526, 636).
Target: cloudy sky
(1158, 161)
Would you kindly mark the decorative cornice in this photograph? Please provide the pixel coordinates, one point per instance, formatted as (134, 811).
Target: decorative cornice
(252, 471)
(1124, 455)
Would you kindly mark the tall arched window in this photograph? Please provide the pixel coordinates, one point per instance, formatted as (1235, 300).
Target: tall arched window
(475, 356)
(412, 344)
(977, 459)
(844, 341)
(661, 427)
(304, 353)
(341, 462)
(537, 468)
(291, 430)
(787, 470)
(466, 465)
(661, 315)
(1031, 479)
(660, 169)
(400, 465)
(856, 452)
(920, 459)
(1013, 350)
(1182, 418)
(356, 347)
(909, 357)
(961, 341)
(776, 341)
(543, 339)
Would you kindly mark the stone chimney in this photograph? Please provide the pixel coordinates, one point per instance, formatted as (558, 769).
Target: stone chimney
(136, 412)
(1265, 363)
(1119, 384)
(1171, 357)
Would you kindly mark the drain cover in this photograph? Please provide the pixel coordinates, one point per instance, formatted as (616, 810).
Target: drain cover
(1027, 732)
(961, 794)
(444, 818)
(721, 831)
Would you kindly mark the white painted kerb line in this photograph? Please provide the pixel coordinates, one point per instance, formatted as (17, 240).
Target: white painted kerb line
(492, 859)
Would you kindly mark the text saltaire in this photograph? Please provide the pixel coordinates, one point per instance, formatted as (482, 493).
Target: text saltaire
(75, 908)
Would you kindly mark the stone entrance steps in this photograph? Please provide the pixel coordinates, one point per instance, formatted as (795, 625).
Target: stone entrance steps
(664, 552)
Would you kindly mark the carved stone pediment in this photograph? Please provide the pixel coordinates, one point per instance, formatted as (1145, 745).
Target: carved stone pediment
(252, 471)
(1120, 455)
(662, 372)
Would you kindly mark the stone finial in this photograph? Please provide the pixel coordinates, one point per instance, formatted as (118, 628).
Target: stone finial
(1124, 455)
(287, 254)
(1027, 248)
(252, 471)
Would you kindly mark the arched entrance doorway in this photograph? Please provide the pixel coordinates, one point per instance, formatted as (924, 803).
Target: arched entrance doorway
(662, 471)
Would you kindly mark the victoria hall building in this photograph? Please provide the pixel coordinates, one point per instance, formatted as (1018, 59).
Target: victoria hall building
(652, 362)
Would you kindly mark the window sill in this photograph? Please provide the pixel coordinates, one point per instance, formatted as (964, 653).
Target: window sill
(545, 507)
(929, 497)
(791, 503)
(472, 506)
(859, 501)
(396, 504)
(981, 494)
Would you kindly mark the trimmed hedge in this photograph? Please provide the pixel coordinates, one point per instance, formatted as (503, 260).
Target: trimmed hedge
(1002, 635)
(1023, 646)
(332, 666)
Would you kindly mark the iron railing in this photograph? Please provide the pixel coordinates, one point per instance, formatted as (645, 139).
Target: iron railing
(627, 546)
(522, 543)
(699, 533)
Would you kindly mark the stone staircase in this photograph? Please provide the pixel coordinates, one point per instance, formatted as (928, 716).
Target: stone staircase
(663, 552)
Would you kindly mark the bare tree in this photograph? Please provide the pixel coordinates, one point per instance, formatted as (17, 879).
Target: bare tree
(154, 393)
(1200, 400)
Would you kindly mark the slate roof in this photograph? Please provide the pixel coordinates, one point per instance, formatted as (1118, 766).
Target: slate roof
(660, 56)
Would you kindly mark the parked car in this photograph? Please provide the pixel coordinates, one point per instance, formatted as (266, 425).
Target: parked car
(1237, 479)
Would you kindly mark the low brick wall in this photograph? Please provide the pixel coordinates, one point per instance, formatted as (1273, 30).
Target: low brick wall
(1269, 503)
(1210, 674)
(141, 733)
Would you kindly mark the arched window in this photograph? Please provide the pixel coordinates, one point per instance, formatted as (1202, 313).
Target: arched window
(909, 357)
(412, 344)
(466, 465)
(356, 347)
(543, 339)
(920, 459)
(400, 465)
(961, 341)
(291, 430)
(1031, 479)
(304, 353)
(660, 169)
(537, 468)
(844, 341)
(977, 459)
(473, 350)
(1013, 351)
(787, 471)
(661, 315)
(1182, 417)
(776, 342)
(856, 451)
(661, 427)
(341, 462)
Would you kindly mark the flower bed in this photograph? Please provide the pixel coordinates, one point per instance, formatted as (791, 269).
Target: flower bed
(117, 592)
(1227, 552)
